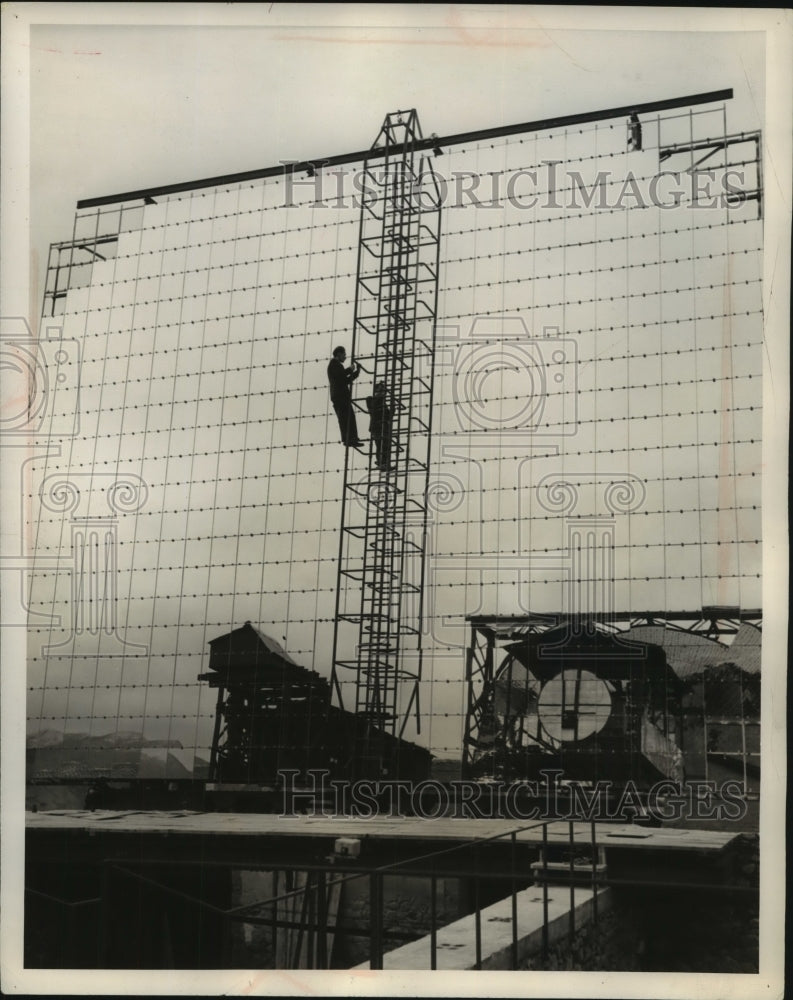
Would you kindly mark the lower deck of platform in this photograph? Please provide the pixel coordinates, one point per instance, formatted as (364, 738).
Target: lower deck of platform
(174, 889)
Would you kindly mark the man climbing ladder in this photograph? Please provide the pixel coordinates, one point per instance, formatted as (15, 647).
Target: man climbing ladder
(340, 380)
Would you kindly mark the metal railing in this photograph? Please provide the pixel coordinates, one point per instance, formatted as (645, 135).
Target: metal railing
(309, 912)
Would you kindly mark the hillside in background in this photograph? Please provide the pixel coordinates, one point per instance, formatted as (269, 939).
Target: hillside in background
(54, 756)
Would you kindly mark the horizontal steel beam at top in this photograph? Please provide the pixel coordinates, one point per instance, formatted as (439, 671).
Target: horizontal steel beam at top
(431, 143)
(534, 617)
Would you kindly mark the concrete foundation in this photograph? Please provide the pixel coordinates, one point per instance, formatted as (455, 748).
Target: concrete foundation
(456, 943)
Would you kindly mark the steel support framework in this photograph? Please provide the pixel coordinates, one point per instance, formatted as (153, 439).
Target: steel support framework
(384, 511)
(733, 157)
(489, 633)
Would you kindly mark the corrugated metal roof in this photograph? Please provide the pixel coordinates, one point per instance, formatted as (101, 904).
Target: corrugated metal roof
(689, 653)
(746, 648)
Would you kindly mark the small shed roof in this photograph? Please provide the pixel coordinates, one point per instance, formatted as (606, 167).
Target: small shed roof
(238, 636)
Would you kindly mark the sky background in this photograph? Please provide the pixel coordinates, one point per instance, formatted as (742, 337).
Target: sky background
(125, 106)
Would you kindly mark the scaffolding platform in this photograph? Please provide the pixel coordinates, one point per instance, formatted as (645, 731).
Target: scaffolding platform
(263, 828)
(108, 888)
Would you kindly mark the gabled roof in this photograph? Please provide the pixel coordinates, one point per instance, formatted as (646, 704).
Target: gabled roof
(243, 632)
(250, 657)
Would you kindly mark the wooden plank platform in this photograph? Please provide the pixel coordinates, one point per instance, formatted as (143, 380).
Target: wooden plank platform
(419, 829)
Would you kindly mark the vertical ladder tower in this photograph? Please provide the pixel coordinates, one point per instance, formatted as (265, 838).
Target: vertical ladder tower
(382, 547)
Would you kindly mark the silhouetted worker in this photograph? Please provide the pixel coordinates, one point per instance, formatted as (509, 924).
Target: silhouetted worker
(380, 425)
(634, 132)
(341, 379)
